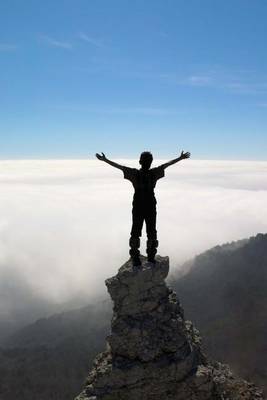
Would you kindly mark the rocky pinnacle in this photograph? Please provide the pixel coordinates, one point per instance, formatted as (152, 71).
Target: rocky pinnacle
(152, 352)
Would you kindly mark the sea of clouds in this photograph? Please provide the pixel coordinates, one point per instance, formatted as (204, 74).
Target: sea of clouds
(64, 225)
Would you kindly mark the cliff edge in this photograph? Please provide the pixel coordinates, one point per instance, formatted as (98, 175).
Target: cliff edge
(153, 353)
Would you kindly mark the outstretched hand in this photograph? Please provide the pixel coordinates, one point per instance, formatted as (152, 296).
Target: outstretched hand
(101, 157)
(183, 155)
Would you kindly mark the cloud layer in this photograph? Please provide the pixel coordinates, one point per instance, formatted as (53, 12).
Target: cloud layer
(64, 225)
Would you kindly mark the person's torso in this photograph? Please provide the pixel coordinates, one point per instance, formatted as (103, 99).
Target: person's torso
(144, 184)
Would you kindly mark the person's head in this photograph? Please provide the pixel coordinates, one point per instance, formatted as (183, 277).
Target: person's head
(146, 159)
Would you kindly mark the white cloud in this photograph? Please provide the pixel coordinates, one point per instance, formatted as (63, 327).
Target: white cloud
(56, 43)
(200, 80)
(238, 82)
(119, 110)
(64, 225)
(95, 42)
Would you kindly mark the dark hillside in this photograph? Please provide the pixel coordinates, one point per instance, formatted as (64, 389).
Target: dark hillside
(225, 294)
(50, 358)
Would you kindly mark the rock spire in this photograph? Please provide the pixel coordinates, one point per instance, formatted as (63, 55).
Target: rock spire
(153, 353)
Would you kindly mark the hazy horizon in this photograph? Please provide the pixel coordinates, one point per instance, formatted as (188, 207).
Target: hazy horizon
(132, 159)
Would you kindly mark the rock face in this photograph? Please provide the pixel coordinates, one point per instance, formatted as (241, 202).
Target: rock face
(153, 353)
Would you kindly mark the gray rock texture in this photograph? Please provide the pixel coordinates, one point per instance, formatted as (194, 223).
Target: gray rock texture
(153, 353)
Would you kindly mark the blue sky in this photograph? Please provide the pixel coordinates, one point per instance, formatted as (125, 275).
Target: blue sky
(121, 76)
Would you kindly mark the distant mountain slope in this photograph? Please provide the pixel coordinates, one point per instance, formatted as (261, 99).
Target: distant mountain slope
(225, 294)
(50, 332)
(49, 359)
(20, 306)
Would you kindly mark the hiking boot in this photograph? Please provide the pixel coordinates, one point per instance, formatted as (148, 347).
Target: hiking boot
(136, 262)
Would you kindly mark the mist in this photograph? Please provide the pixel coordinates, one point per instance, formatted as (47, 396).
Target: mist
(64, 225)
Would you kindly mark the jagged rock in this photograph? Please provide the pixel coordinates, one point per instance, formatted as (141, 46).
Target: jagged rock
(153, 353)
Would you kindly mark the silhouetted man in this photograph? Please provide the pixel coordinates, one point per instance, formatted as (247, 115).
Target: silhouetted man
(144, 201)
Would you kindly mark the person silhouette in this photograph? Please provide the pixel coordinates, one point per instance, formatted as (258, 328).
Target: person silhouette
(144, 201)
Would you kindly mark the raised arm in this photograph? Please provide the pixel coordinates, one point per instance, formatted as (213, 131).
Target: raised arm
(104, 158)
(183, 156)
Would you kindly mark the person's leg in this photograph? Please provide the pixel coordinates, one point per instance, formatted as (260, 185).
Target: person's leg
(136, 232)
(152, 242)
